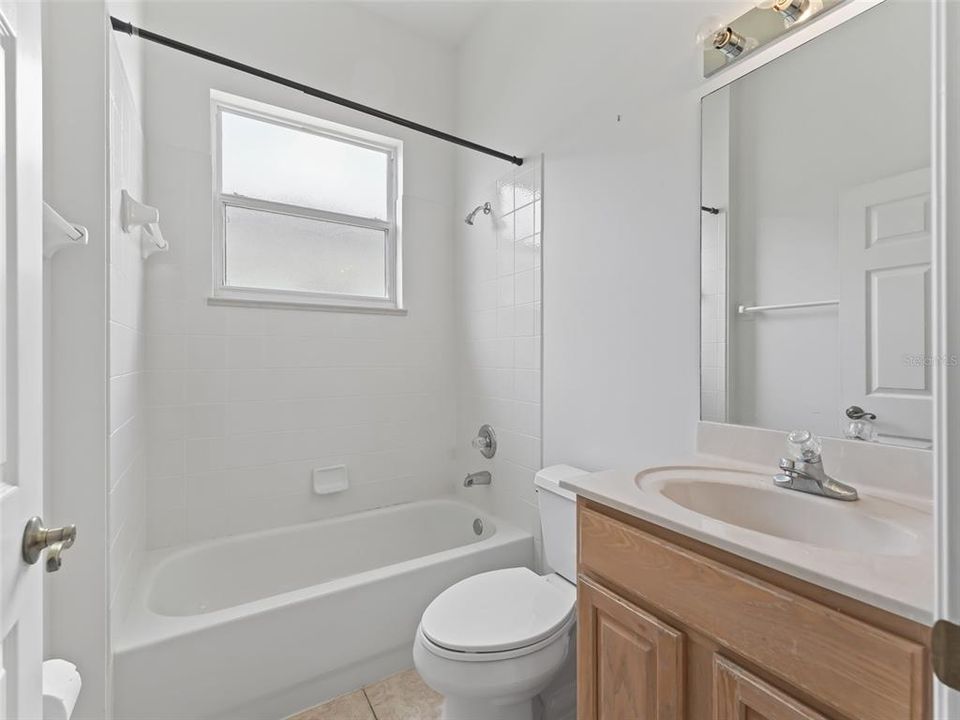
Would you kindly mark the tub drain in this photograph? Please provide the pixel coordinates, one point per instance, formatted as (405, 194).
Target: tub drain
(478, 526)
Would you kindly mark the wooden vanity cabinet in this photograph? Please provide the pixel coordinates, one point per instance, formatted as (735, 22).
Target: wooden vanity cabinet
(670, 628)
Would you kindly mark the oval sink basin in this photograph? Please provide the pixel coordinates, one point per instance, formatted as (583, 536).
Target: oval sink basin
(751, 501)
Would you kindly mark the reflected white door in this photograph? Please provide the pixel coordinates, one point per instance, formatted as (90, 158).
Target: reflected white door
(21, 363)
(885, 320)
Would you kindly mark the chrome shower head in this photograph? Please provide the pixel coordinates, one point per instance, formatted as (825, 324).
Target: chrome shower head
(486, 208)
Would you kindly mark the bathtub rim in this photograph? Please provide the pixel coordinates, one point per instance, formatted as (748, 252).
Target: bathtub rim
(141, 627)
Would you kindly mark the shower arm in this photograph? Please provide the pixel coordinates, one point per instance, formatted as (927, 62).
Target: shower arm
(130, 29)
(486, 208)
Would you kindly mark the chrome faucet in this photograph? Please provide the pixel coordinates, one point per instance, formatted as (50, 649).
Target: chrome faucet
(478, 478)
(804, 472)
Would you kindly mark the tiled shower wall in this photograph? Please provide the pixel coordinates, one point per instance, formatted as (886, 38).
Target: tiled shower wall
(244, 402)
(126, 340)
(500, 343)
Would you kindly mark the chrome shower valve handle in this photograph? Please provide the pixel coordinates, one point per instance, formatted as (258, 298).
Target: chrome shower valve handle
(486, 441)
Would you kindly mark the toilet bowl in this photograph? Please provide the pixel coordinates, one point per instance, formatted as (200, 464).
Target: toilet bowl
(492, 643)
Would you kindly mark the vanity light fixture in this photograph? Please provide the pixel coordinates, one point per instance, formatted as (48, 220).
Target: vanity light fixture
(716, 35)
(731, 43)
(793, 11)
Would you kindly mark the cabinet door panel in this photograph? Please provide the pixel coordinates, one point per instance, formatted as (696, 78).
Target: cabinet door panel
(738, 695)
(630, 663)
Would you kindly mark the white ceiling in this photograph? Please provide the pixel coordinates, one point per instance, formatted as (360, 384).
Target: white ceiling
(447, 21)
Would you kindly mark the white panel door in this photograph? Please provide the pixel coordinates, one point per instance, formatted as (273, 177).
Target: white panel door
(21, 363)
(885, 322)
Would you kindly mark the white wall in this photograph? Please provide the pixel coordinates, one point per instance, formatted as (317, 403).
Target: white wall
(499, 336)
(607, 91)
(244, 402)
(855, 113)
(75, 135)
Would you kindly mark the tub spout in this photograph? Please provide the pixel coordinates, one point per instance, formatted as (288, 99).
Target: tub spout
(478, 478)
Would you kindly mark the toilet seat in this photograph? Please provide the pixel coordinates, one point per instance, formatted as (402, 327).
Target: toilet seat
(498, 614)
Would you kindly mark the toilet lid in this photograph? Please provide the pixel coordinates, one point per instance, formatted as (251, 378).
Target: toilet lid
(497, 611)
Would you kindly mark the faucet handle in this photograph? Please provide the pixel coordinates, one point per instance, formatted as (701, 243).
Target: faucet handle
(485, 441)
(804, 445)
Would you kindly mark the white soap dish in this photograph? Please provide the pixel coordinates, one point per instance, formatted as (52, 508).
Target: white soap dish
(330, 480)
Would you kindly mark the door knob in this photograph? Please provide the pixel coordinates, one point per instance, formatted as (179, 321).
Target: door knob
(37, 538)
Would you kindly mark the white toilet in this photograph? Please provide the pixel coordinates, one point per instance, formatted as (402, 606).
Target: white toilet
(492, 643)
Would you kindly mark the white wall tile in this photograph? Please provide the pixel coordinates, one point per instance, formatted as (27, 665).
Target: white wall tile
(524, 290)
(204, 420)
(166, 492)
(244, 352)
(528, 386)
(124, 398)
(505, 291)
(500, 375)
(166, 352)
(166, 525)
(206, 352)
(127, 346)
(204, 386)
(163, 388)
(506, 325)
(165, 458)
(527, 353)
(524, 320)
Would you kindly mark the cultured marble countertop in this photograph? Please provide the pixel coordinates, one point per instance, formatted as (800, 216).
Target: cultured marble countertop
(902, 584)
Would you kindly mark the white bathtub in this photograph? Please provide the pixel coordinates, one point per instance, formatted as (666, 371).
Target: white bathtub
(262, 625)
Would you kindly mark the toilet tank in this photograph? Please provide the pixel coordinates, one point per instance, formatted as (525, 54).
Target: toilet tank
(558, 519)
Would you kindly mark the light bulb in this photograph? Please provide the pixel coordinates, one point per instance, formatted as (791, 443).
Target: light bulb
(733, 44)
(793, 12)
(708, 28)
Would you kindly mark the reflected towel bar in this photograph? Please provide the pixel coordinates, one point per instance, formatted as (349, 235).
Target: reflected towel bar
(746, 309)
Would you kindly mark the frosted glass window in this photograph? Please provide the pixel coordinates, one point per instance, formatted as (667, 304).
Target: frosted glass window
(307, 209)
(264, 160)
(298, 254)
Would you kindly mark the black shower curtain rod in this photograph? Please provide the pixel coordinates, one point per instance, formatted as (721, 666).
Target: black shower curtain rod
(130, 29)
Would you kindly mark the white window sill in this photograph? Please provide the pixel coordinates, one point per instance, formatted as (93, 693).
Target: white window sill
(306, 305)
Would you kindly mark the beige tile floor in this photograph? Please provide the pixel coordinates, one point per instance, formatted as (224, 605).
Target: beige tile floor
(403, 696)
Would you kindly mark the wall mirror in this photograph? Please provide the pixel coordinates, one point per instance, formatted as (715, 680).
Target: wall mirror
(815, 236)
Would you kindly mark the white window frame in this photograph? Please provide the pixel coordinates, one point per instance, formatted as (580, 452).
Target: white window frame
(224, 294)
